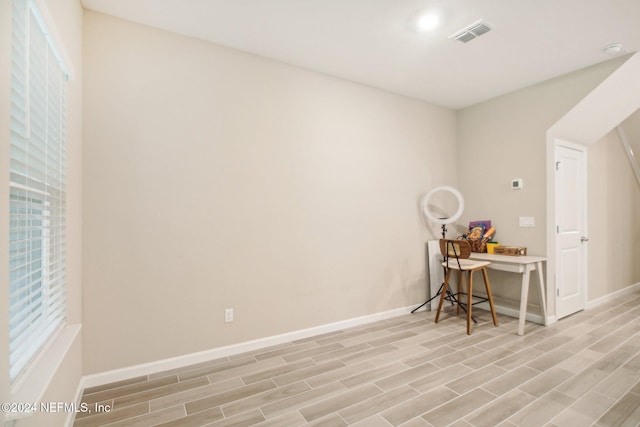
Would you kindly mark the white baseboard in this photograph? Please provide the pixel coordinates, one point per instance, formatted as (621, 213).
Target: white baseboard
(115, 375)
(216, 353)
(219, 352)
(512, 312)
(551, 319)
(606, 298)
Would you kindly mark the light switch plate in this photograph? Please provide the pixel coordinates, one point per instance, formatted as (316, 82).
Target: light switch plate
(527, 221)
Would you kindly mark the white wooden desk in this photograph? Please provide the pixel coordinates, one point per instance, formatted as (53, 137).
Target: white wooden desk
(523, 265)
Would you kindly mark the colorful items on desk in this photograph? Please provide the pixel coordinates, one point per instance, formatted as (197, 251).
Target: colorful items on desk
(491, 246)
(478, 234)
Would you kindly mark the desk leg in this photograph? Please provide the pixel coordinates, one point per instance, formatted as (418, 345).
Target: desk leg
(523, 300)
(543, 296)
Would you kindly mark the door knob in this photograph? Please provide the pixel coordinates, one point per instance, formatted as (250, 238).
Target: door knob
(584, 239)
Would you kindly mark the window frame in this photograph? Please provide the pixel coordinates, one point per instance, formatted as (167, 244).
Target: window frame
(32, 187)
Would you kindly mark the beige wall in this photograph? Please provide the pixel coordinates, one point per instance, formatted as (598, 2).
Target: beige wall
(217, 179)
(505, 138)
(614, 206)
(66, 17)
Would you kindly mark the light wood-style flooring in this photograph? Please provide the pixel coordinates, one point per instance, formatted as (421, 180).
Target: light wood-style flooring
(407, 371)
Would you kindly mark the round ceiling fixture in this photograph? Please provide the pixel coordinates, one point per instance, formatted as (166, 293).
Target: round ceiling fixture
(440, 220)
(428, 21)
(613, 49)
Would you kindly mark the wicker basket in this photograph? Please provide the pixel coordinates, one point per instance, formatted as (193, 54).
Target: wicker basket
(478, 245)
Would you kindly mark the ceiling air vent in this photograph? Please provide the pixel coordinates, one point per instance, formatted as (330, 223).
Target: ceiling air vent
(471, 32)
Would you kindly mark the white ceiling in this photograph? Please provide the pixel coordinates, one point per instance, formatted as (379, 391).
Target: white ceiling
(375, 42)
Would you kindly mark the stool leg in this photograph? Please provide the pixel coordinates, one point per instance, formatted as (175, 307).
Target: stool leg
(460, 288)
(487, 285)
(469, 302)
(444, 293)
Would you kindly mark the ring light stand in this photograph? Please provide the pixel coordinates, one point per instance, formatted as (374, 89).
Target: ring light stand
(443, 222)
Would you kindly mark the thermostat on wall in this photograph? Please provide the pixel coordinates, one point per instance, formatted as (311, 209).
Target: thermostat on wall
(516, 184)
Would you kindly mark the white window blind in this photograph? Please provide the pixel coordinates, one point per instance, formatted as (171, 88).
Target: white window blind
(37, 250)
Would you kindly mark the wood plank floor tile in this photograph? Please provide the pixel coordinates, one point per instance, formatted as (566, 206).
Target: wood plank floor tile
(316, 351)
(405, 349)
(398, 336)
(248, 369)
(212, 369)
(624, 410)
(339, 374)
(104, 418)
(584, 411)
(417, 406)
(279, 352)
(371, 375)
(542, 410)
(91, 390)
(342, 337)
(157, 392)
(342, 352)
(408, 371)
(368, 354)
(277, 371)
(546, 381)
(550, 359)
(329, 421)
(475, 379)
(428, 356)
(303, 399)
(388, 324)
(443, 376)
(259, 400)
(340, 401)
(510, 380)
(152, 418)
(243, 420)
(128, 389)
(374, 421)
(500, 409)
(195, 366)
(482, 359)
(195, 420)
(458, 408)
(406, 376)
(190, 395)
(228, 396)
(309, 372)
(288, 419)
(579, 361)
(372, 406)
(618, 383)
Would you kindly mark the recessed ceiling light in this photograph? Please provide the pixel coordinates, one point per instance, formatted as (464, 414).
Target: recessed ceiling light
(613, 49)
(428, 21)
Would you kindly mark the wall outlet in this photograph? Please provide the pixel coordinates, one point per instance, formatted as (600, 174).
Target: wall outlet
(516, 184)
(228, 315)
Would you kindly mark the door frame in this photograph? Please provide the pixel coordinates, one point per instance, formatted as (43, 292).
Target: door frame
(584, 219)
(552, 261)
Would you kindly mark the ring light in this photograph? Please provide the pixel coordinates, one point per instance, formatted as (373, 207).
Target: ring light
(452, 218)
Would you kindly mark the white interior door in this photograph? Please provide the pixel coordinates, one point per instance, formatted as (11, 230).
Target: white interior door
(571, 226)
